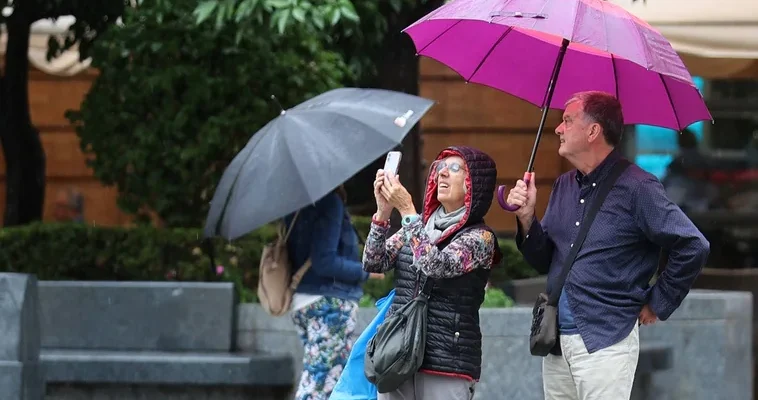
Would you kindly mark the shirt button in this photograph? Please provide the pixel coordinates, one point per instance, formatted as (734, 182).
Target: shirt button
(577, 223)
(594, 184)
(581, 201)
(572, 245)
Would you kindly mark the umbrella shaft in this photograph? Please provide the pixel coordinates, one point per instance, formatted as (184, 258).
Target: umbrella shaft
(546, 103)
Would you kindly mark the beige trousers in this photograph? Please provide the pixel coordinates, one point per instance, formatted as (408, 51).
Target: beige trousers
(607, 374)
(432, 387)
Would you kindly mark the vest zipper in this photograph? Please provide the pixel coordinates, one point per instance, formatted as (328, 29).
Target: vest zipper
(457, 333)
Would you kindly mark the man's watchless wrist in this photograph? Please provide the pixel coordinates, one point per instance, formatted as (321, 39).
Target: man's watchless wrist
(526, 222)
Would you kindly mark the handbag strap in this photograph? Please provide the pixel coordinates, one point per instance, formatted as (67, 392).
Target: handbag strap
(603, 190)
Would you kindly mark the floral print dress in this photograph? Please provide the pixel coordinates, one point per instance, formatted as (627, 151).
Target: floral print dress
(326, 330)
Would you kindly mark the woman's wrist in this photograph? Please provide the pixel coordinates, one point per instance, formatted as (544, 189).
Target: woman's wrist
(380, 219)
(409, 210)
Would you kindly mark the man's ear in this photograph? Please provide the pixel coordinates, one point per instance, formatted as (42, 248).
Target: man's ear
(595, 132)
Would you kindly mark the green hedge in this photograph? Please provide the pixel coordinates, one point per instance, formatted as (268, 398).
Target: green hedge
(55, 251)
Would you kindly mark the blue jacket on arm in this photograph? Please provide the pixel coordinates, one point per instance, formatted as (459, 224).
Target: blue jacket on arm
(609, 281)
(324, 232)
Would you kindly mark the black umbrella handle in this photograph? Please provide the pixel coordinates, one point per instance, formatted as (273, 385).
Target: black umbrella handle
(545, 108)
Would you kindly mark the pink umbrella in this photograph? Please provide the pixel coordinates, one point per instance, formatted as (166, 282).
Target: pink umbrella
(544, 51)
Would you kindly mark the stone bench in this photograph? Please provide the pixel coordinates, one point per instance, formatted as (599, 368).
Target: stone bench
(150, 340)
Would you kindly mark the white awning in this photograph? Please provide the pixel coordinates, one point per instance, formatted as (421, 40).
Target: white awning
(714, 37)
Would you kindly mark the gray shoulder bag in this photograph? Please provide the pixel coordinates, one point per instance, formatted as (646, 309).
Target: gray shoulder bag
(396, 351)
(544, 332)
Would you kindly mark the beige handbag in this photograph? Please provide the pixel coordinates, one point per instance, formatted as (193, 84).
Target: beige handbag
(276, 284)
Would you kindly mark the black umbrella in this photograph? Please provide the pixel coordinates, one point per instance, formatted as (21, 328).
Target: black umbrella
(307, 152)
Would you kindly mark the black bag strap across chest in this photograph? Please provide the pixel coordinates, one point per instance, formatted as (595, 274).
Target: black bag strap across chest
(605, 187)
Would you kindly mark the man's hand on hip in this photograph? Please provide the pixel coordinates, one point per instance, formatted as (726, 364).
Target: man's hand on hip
(647, 316)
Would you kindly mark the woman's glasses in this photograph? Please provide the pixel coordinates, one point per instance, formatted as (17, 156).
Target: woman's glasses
(452, 167)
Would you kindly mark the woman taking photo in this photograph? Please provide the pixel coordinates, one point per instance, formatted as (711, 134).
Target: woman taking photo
(451, 244)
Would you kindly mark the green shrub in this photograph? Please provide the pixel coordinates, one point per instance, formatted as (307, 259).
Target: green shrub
(496, 298)
(55, 251)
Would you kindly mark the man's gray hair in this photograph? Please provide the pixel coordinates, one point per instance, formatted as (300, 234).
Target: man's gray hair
(605, 109)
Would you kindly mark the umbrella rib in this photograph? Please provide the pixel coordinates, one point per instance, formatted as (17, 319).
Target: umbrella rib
(233, 186)
(615, 77)
(438, 36)
(497, 42)
(645, 50)
(340, 113)
(292, 157)
(671, 102)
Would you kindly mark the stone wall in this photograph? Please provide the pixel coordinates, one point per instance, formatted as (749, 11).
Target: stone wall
(710, 335)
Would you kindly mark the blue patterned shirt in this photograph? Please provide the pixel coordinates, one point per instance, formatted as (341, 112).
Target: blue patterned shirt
(609, 281)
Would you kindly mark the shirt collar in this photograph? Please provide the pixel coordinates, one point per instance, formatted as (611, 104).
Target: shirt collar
(601, 171)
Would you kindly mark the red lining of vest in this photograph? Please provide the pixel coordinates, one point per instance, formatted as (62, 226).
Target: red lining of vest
(450, 374)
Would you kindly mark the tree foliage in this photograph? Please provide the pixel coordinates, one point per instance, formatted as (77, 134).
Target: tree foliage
(175, 102)
(356, 29)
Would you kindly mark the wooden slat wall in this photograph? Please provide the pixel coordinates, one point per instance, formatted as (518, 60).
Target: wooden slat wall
(498, 123)
(49, 98)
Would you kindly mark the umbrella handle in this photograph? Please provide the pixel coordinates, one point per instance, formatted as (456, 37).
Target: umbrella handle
(501, 196)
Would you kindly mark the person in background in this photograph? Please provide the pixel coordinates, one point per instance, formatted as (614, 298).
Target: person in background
(69, 206)
(450, 243)
(607, 293)
(685, 181)
(326, 301)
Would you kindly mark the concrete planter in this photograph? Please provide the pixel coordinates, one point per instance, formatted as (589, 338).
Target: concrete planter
(744, 280)
(709, 335)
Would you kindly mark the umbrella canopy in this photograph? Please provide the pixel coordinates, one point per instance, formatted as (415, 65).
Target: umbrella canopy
(545, 51)
(307, 152)
(513, 46)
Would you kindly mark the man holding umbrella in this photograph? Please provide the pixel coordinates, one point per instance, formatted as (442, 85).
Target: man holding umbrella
(606, 294)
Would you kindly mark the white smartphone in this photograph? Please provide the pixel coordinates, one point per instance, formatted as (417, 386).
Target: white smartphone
(392, 163)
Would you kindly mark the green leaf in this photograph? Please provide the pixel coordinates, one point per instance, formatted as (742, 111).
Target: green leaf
(334, 16)
(279, 3)
(298, 14)
(318, 20)
(244, 9)
(282, 22)
(204, 10)
(348, 11)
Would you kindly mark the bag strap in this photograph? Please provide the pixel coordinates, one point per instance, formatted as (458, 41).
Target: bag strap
(603, 190)
(298, 276)
(282, 234)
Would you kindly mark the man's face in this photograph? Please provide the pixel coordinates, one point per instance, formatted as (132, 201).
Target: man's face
(574, 131)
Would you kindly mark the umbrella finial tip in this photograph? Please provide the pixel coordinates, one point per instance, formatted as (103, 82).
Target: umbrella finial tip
(273, 97)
